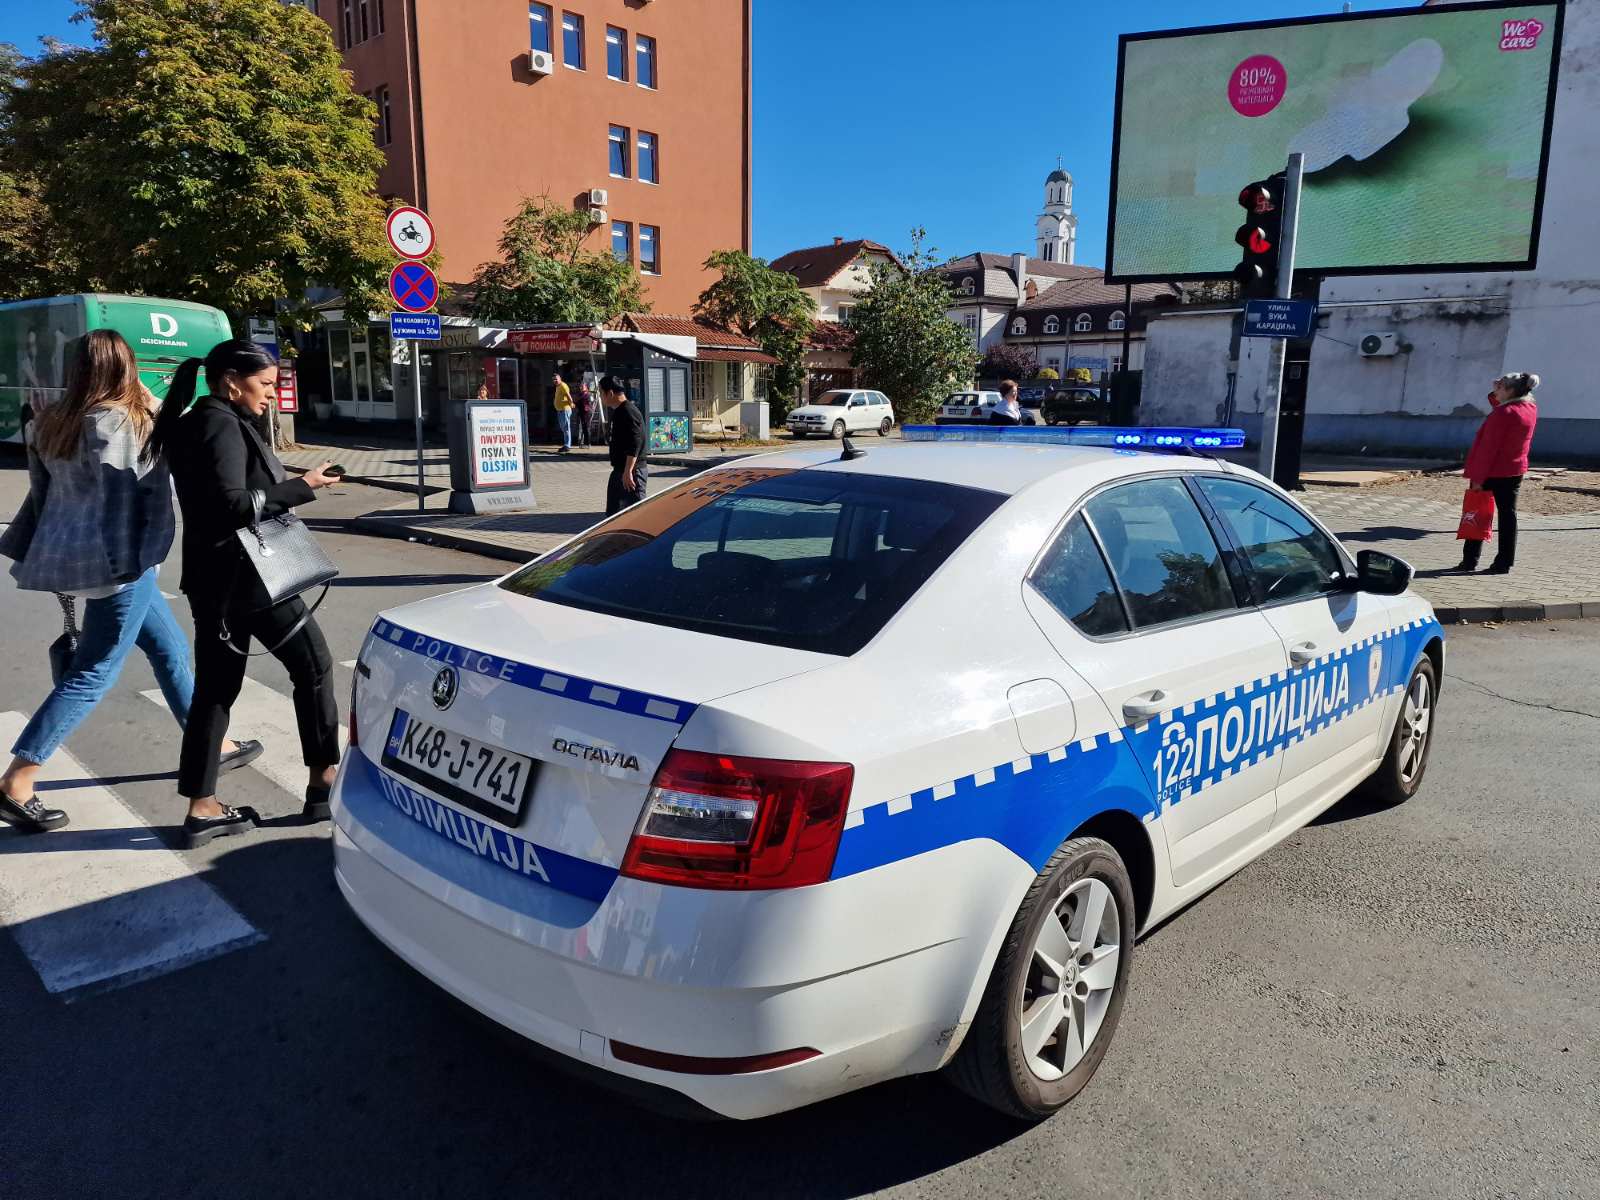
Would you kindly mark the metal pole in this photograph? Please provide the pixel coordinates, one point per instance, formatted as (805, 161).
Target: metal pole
(416, 413)
(1288, 228)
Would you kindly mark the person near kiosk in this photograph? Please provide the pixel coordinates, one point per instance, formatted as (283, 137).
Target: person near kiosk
(629, 469)
(563, 407)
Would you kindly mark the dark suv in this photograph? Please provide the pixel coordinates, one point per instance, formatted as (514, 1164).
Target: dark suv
(1072, 405)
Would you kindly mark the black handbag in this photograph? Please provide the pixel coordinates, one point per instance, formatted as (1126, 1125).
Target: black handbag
(65, 647)
(284, 560)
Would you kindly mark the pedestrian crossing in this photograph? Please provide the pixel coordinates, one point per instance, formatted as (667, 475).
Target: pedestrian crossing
(106, 902)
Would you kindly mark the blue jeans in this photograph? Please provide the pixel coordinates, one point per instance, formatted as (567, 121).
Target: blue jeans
(110, 629)
(564, 423)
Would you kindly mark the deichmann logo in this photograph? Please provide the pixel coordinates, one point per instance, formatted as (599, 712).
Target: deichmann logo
(164, 328)
(599, 754)
(1520, 35)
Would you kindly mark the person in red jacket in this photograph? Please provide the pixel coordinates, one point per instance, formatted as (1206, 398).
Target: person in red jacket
(1497, 462)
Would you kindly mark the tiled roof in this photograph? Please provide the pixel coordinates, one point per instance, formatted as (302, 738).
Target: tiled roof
(831, 335)
(1092, 289)
(706, 335)
(755, 356)
(988, 261)
(816, 265)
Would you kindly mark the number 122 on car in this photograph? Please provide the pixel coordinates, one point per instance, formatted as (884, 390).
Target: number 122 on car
(479, 776)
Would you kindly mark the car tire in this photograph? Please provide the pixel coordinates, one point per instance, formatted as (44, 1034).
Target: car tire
(798, 435)
(1050, 420)
(884, 426)
(1033, 1078)
(1400, 773)
(838, 430)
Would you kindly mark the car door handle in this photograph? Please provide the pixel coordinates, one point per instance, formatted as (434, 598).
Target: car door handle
(1302, 652)
(1137, 709)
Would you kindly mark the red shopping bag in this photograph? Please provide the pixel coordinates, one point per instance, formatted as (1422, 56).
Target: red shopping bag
(1477, 517)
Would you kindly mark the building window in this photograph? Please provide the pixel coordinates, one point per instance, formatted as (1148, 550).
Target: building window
(1083, 324)
(1116, 364)
(700, 391)
(650, 249)
(347, 22)
(966, 286)
(735, 382)
(1118, 321)
(763, 390)
(619, 151)
(369, 14)
(572, 40)
(539, 27)
(644, 60)
(617, 53)
(1019, 327)
(1051, 324)
(385, 130)
(845, 313)
(622, 241)
(649, 158)
(1049, 252)
(1054, 364)
(970, 320)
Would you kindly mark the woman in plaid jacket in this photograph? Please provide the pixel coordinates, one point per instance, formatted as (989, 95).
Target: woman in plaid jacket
(96, 524)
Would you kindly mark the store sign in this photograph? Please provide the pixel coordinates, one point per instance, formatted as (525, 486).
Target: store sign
(577, 340)
(288, 389)
(461, 335)
(497, 444)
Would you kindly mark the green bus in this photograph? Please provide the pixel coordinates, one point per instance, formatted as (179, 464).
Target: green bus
(36, 339)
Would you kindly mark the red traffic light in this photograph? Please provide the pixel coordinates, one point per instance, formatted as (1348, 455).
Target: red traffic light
(1254, 239)
(1257, 198)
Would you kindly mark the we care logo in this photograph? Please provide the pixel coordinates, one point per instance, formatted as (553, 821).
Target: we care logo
(1520, 35)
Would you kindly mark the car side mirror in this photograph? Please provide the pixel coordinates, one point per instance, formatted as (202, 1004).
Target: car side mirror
(1382, 574)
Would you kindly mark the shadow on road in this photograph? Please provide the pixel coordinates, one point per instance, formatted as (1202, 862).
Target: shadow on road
(329, 1068)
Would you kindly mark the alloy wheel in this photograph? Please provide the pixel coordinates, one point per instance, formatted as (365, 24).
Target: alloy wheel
(1072, 975)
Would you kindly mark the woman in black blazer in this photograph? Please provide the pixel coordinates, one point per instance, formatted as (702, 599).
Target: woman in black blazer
(221, 465)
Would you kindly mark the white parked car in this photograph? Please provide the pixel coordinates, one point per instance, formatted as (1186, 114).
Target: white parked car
(579, 798)
(847, 410)
(977, 408)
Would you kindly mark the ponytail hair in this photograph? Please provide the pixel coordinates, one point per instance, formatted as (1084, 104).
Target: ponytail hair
(233, 356)
(1520, 383)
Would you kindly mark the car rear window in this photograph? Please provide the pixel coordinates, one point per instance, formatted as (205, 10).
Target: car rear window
(814, 560)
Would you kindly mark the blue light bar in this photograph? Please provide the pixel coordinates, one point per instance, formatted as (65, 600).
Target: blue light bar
(1116, 437)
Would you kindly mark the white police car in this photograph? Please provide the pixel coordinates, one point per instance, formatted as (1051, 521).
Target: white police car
(821, 769)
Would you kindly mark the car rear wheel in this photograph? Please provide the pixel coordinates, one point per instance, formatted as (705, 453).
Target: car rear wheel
(1050, 420)
(1054, 998)
(838, 430)
(1400, 774)
(884, 426)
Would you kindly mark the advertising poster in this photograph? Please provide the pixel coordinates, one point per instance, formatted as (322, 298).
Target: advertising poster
(288, 389)
(1425, 133)
(497, 444)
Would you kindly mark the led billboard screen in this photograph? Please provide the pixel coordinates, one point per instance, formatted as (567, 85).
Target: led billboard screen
(1425, 133)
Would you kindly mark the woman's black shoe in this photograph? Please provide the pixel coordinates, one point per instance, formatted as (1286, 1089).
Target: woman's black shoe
(243, 756)
(1498, 569)
(200, 830)
(32, 817)
(1462, 568)
(319, 804)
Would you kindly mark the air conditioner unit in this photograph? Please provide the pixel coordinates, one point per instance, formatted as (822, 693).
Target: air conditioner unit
(541, 62)
(598, 198)
(598, 216)
(1380, 345)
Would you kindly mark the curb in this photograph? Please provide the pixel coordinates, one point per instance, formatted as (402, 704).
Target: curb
(391, 484)
(395, 529)
(1521, 610)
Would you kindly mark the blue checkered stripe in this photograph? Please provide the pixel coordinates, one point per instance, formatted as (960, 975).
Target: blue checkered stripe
(1030, 804)
(553, 683)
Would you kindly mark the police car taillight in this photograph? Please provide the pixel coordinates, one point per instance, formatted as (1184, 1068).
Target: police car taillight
(718, 821)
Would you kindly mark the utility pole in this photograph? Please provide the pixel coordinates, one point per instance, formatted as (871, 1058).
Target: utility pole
(1273, 400)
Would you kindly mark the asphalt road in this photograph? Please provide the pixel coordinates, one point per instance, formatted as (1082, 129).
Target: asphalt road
(1396, 1002)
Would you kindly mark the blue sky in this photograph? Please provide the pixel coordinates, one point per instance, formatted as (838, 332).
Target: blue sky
(872, 116)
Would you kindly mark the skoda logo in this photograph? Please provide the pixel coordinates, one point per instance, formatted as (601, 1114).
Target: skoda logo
(445, 684)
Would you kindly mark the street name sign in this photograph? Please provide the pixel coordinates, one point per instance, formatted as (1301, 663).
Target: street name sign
(1279, 318)
(415, 327)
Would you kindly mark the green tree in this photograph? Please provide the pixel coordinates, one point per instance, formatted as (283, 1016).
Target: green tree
(905, 346)
(544, 273)
(205, 151)
(766, 306)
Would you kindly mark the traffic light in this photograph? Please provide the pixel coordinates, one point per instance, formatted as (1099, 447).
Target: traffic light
(1262, 202)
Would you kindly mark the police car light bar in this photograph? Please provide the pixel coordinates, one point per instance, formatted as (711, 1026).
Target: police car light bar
(1149, 438)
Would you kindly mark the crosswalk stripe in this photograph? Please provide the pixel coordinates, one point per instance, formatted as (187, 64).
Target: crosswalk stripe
(104, 903)
(266, 715)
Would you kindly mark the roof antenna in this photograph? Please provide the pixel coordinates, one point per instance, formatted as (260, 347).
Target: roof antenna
(850, 452)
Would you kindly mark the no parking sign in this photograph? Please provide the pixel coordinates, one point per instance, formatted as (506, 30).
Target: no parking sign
(414, 287)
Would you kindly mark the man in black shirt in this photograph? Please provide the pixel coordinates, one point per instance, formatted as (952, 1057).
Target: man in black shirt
(629, 469)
